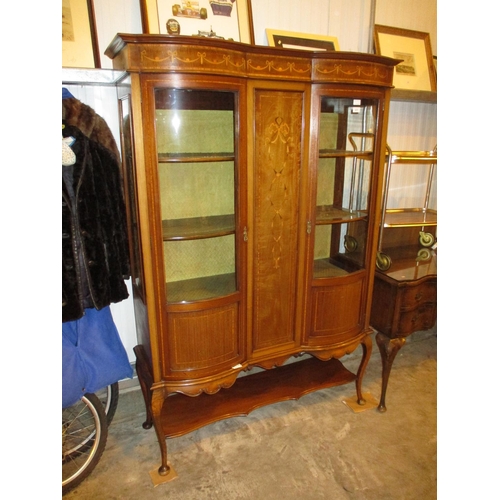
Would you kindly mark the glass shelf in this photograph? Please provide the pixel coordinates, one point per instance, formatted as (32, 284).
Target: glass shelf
(410, 217)
(197, 227)
(328, 214)
(194, 157)
(207, 287)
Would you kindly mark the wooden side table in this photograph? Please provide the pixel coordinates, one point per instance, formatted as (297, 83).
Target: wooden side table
(404, 301)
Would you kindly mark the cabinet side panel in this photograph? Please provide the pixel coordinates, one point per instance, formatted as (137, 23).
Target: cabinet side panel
(203, 339)
(383, 307)
(277, 150)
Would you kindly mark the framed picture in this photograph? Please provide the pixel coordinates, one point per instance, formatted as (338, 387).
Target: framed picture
(304, 41)
(228, 19)
(79, 37)
(417, 69)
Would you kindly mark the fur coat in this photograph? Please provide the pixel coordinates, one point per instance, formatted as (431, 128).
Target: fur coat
(95, 259)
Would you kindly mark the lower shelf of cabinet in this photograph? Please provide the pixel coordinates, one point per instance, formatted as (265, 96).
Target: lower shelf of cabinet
(182, 414)
(207, 287)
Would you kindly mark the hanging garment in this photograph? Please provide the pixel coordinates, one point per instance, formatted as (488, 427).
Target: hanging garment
(95, 258)
(92, 125)
(93, 355)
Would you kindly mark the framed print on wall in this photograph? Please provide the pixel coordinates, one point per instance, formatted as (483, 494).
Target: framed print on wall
(228, 19)
(79, 39)
(304, 41)
(417, 70)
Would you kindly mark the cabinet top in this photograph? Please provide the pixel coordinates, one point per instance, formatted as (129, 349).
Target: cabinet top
(191, 54)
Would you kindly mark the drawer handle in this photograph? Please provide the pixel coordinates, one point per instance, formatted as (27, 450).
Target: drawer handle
(419, 296)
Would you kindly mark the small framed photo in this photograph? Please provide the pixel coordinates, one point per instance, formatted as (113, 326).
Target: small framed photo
(304, 41)
(227, 19)
(416, 71)
(79, 37)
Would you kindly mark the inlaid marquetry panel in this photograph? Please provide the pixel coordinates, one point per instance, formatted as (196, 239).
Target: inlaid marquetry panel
(277, 146)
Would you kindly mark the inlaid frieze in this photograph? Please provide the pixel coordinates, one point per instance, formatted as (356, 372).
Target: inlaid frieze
(155, 53)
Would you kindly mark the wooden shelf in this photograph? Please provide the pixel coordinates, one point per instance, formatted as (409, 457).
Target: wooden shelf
(181, 414)
(410, 217)
(207, 287)
(328, 214)
(195, 228)
(194, 157)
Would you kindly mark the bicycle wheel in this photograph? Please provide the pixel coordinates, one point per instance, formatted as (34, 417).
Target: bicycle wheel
(109, 399)
(84, 435)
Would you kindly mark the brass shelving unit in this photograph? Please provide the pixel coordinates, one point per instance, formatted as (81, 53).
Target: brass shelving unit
(422, 217)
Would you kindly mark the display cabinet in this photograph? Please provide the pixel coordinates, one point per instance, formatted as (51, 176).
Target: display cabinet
(253, 187)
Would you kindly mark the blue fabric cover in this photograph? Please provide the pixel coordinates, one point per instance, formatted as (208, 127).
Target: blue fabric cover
(93, 355)
(66, 94)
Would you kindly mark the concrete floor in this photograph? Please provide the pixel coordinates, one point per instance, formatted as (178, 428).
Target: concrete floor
(314, 448)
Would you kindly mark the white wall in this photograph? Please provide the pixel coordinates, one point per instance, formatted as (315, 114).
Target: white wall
(348, 20)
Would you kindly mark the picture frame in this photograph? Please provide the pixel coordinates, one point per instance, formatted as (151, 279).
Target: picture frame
(228, 19)
(303, 41)
(417, 69)
(80, 48)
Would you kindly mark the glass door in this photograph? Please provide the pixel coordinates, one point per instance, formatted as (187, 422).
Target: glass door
(344, 168)
(195, 136)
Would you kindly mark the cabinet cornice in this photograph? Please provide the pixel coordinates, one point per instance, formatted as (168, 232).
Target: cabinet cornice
(163, 53)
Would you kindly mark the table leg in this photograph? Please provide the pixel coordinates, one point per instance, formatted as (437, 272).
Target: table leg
(388, 349)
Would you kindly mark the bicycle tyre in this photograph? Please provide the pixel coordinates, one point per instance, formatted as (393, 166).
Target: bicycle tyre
(109, 399)
(84, 435)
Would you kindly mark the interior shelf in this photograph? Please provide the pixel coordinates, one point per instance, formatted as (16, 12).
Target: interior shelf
(181, 414)
(328, 214)
(204, 288)
(194, 157)
(194, 228)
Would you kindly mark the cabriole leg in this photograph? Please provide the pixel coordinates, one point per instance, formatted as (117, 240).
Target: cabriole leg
(145, 377)
(388, 349)
(156, 405)
(367, 350)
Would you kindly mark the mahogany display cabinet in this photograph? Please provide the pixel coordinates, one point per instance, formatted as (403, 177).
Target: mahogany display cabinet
(252, 179)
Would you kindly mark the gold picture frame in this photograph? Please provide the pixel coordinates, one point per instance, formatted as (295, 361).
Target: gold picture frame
(80, 48)
(417, 70)
(199, 18)
(303, 41)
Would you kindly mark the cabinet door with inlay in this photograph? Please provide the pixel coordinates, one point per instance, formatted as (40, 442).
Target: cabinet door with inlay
(276, 171)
